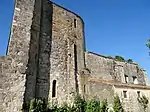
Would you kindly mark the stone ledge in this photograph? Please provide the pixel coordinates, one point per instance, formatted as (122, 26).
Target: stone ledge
(89, 52)
(121, 85)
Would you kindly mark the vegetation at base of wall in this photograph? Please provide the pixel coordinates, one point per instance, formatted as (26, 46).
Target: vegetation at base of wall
(117, 105)
(104, 106)
(93, 106)
(80, 105)
(143, 101)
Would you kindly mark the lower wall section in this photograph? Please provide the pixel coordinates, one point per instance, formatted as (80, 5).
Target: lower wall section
(129, 98)
(99, 91)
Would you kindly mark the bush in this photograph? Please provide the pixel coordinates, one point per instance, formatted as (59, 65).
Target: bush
(130, 61)
(117, 106)
(119, 58)
(38, 105)
(143, 101)
(80, 105)
(93, 106)
(104, 106)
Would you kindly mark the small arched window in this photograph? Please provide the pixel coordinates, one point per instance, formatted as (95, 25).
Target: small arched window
(75, 23)
(54, 88)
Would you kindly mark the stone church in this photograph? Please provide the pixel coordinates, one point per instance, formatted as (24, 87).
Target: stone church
(47, 58)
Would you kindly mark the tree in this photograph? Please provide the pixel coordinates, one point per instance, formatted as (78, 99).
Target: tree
(119, 58)
(129, 60)
(148, 45)
(143, 101)
(117, 106)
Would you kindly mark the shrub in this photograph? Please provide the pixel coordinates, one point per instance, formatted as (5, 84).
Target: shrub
(117, 106)
(143, 101)
(38, 105)
(130, 61)
(79, 103)
(93, 106)
(119, 58)
(104, 106)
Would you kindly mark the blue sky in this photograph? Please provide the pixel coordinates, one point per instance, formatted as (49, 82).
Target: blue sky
(112, 27)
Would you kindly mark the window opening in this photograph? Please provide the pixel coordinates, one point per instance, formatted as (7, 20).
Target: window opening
(54, 89)
(126, 79)
(75, 23)
(75, 66)
(138, 93)
(125, 94)
(134, 79)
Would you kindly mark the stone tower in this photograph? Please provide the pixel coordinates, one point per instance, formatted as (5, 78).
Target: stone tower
(45, 55)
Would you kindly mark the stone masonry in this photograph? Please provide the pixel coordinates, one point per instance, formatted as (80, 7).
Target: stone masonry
(46, 58)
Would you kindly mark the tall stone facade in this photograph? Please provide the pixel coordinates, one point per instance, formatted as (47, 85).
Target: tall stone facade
(46, 58)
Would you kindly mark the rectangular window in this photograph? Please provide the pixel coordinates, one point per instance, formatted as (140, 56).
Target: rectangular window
(138, 93)
(134, 80)
(54, 88)
(75, 67)
(75, 23)
(126, 79)
(125, 94)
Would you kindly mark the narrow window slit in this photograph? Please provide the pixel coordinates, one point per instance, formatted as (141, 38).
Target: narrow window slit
(75, 23)
(54, 88)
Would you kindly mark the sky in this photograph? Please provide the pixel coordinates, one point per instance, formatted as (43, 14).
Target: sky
(112, 27)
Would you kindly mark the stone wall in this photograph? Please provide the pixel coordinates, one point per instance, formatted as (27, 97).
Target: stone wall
(16, 61)
(131, 103)
(105, 68)
(99, 91)
(2, 81)
(46, 44)
(46, 58)
(67, 53)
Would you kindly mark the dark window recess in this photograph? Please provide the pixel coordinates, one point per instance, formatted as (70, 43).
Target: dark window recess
(125, 94)
(54, 89)
(75, 23)
(126, 79)
(84, 89)
(75, 66)
(134, 79)
(138, 93)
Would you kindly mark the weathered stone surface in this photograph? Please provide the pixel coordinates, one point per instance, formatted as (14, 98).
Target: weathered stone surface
(108, 69)
(46, 58)
(131, 103)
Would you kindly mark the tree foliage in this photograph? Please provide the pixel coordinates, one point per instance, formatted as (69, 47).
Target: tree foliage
(148, 43)
(143, 101)
(104, 106)
(130, 61)
(119, 58)
(80, 105)
(117, 106)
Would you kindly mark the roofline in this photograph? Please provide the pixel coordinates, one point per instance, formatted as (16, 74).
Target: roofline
(110, 58)
(68, 11)
(118, 84)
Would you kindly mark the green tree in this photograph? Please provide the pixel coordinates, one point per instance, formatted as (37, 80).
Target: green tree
(117, 106)
(38, 105)
(148, 44)
(104, 106)
(93, 106)
(79, 103)
(119, 58)
(143, 101)
(129, 60)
